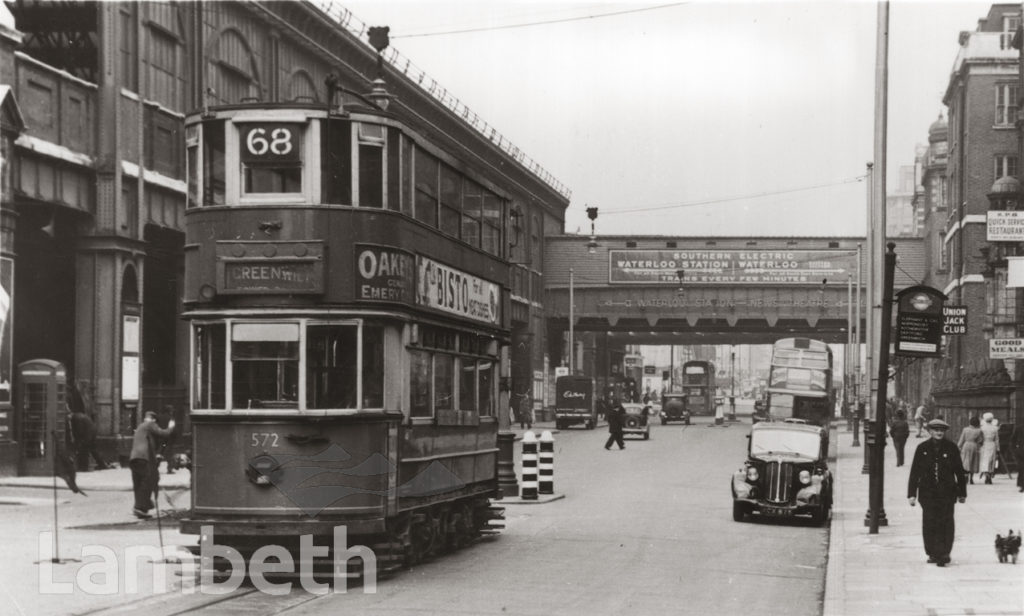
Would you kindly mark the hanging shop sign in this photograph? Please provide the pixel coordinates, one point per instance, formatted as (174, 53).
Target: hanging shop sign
(763, 267)
(919, 322)
(954, 320)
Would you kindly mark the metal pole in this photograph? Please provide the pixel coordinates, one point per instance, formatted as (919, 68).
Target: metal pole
(848, 356)
(857, 382)
(876, 482)
(572, 319)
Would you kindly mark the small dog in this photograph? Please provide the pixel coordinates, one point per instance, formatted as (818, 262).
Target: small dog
(183, 460)
(1007, 547)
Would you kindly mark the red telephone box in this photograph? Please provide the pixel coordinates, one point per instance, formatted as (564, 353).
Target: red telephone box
(42, 413)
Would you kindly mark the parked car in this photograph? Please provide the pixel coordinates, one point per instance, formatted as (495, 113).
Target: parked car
(785, 474)
(760, 410)
(636, 420)
(673, 408)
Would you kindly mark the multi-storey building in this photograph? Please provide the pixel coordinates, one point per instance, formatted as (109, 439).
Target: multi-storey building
(982, 161)
(94, 98)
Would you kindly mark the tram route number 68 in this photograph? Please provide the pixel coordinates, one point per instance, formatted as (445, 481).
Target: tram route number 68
(263, 439)
(280, 141)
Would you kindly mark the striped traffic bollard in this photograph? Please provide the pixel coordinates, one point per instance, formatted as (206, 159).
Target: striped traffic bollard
(547, 463)
(529, 491)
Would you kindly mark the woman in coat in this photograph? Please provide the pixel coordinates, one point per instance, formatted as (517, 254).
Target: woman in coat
(970, 447)
(989, 446)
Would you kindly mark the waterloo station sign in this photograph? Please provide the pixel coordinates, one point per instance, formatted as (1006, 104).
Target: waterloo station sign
(730, 267)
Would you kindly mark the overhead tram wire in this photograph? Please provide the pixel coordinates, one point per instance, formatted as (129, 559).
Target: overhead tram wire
(654, 208)
(539, 23)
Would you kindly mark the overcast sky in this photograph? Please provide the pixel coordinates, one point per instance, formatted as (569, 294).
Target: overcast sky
(692, 118)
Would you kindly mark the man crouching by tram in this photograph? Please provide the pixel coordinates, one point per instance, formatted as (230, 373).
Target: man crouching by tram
(145, 472)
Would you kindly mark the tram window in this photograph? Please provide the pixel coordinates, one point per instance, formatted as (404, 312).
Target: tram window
(373, 367)
(337, 175)
(265, 365)
(371, 175)
(331, 352)
(271, 156)
(208, 370)
(485, 378)
(419, 383)
(444, 381)
(467, 385)
(214, 182)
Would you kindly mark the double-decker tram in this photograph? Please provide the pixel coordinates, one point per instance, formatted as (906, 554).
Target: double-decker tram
(345, 289)
(800, 381)
(699, 386)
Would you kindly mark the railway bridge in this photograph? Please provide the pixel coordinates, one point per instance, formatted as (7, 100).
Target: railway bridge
(661, 290)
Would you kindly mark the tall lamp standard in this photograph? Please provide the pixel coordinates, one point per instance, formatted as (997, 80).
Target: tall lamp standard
(732, 385)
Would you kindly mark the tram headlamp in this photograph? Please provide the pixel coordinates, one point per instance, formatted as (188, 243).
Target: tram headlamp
(752, 473)
(260, 468)
(805, 477)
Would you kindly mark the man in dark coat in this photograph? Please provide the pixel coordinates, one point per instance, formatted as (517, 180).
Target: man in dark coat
(615, 415)
(899, 431)
(83, 435)
(938, 481)
(145, 474)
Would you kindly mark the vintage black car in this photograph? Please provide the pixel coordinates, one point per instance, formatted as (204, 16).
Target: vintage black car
(785, 475)
(673, 408)
(635, 420)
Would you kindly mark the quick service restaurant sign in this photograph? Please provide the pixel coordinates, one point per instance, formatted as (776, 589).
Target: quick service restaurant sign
(450, 290)
(763, 267)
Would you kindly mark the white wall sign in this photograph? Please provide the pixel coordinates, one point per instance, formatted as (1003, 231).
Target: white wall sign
(1004, 226)
(1006, 348)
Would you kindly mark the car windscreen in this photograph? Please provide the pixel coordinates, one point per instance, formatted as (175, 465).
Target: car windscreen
(786, 442)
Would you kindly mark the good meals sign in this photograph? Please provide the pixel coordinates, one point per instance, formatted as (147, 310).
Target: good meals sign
(765, 266)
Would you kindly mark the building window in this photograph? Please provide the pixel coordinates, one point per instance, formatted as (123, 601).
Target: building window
(1010, 25)
(1006, 104)
(1005, 165)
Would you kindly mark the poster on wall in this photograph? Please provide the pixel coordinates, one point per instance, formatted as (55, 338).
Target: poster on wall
(130, 378)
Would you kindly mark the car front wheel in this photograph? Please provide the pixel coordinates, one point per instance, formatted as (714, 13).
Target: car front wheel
(738, 512)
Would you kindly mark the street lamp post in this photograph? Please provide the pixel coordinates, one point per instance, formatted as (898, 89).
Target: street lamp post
(732, 384)
(572, 319)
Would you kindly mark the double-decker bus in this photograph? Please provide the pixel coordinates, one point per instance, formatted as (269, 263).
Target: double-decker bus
(800, 381)
(345, 289)
(699, 386)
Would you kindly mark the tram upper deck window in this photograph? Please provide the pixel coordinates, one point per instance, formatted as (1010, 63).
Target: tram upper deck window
(371, 165)
(214, 174)
(265, 365)
(271, 157)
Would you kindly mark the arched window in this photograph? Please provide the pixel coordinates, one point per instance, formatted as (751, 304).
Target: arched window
(302, 88)
(129, 286)
(234, 76)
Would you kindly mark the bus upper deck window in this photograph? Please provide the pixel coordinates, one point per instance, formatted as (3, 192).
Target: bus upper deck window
(271, 156)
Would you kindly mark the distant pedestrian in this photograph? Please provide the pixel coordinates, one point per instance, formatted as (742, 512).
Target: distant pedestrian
(937, 480)
(1017, 445)
(970, 446)
(616, 415)
(525, 411)
(83, 440)
(899, 431)
(919, 419)
(166, 448)
(145, 473)
(989, 447)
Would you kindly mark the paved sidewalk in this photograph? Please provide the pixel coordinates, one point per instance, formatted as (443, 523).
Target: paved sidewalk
(113, 479)
(886, 573)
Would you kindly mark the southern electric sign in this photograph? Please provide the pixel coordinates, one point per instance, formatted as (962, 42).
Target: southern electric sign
(765, 267)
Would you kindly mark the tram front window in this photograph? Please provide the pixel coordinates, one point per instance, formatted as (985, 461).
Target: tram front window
(331, 352)
(265, 365)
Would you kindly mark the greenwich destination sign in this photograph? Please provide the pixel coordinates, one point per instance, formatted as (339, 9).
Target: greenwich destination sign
(765, 267)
